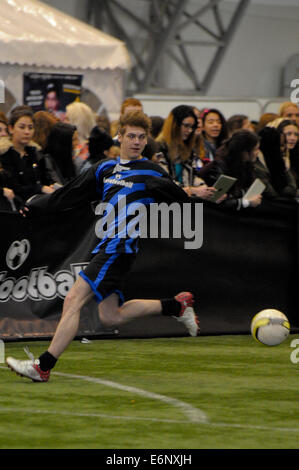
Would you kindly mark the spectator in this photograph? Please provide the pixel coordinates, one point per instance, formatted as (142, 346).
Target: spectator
(235, 158)
(253, 124)
(265, 118)
(22, 107)
(177, 153)
(82, 117)
(3, 125)
(130, 104)
(59, 152)
(103, 122)
(290, 131)
(151, 149)
(237, 122)
(113, 130)
(199, 142)
(198, 114)
(43, 123)
(157, 124)
(24, 166)
(289, 110)
(113, 152)
(214, 132)
(8, 200)
(98, 144)
(274, 173)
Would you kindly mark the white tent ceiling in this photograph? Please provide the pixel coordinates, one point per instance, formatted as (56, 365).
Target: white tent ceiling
(32, 33)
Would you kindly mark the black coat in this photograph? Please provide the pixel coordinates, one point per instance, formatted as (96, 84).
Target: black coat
(24, 175)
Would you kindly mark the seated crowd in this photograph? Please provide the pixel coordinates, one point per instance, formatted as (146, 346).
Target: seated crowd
(40, 153)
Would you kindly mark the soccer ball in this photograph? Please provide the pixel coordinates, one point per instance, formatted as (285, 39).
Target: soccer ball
(270, 327)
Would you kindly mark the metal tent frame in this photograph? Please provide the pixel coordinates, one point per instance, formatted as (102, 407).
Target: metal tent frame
(158, 34)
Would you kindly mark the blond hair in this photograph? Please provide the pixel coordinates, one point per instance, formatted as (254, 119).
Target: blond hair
(81, 115)
(285, 105)
(275, 123)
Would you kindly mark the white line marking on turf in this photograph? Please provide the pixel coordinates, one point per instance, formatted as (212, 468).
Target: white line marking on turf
(88, 415)
(187, 408)
(134, 418)
(194, 415)
(252, 426)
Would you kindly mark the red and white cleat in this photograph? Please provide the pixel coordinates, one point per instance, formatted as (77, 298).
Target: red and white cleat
(29, 368)
(187, 315)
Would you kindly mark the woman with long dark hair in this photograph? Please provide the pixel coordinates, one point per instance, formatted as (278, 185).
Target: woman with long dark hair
(59, 151)
(178, 151)
(235, 158)
(214, 132)
(290, 131)
(274, 171)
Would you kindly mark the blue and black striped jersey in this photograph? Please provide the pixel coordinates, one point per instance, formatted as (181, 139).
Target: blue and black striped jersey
(122, 189)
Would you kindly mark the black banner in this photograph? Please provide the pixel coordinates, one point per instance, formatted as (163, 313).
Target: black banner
(40, 260)
(248, 262)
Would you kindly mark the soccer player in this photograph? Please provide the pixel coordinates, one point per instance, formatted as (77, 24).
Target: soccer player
(126, 178)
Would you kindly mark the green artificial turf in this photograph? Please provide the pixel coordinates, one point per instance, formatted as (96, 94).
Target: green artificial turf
(249, 393)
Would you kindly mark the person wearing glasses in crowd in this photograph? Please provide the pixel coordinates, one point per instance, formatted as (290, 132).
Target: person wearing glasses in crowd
(178, 151)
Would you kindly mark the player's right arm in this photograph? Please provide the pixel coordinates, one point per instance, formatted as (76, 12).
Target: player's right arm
(80, 191)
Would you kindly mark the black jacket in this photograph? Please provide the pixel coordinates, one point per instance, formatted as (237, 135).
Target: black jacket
(210, 174)
(26, 175)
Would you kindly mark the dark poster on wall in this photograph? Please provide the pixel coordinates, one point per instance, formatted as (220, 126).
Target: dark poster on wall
(51, 92)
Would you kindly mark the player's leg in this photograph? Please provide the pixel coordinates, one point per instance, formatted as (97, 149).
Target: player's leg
(39, 370)
(68, 325)
(108, 288)
(180, 307)
(111, 314)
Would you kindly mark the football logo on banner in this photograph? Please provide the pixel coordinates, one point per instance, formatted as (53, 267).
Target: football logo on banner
(17, 254)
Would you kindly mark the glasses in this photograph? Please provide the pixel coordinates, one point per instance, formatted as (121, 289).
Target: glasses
(188, 126)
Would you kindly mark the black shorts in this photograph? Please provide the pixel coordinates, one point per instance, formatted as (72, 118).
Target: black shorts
(106, 273)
